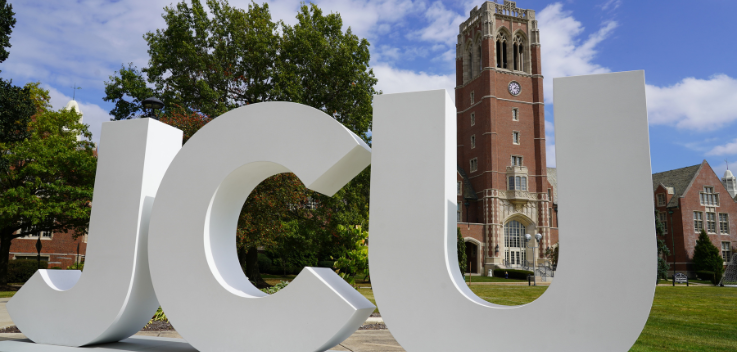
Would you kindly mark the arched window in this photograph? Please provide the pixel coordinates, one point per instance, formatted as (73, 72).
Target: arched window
(519, 54)
(501, 50)
(514, 233)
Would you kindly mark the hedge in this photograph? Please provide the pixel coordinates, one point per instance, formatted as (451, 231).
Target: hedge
(20, 270)
(710, 276)
(513, 273)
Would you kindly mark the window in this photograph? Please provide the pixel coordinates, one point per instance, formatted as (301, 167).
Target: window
(459, 188)
(473, 141)
(550, 217)
(661, 199)
(515, 114)
(517, 183)
(724, 224)
(472, 97)
(518, 53)
(698, 221)
(515, 137)
(726, 251)
(458, 211)
(550, 195)
(711, 223)
(708, 197)
(516, 160)
(663, 216)
(474, 165)
(501, 50)
(44, 258)
(473, 118)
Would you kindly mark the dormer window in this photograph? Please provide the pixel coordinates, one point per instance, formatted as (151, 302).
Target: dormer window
(661, 199)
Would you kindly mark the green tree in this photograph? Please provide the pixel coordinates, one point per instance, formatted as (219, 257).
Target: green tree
(48, 184)
(204, 64)
(354, 259)
(707, 257)
(7, 22)
(663, 251)
(461, 248)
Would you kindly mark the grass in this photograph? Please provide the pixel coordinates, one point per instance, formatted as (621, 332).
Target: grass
(491, 279)
(5, 294)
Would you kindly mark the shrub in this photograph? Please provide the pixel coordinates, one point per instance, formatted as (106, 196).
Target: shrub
(326, 264)
(20, 270)
(707, 257)
(276, 288)
(76, 266)
(705, 275)
(513, 273)
(264, 263)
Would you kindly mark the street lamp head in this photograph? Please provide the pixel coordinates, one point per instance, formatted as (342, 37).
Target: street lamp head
(528, 237)
(152, 104)
(539, 237)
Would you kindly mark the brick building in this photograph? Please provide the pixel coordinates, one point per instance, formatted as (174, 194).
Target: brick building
(59, 249)
(504, 187)
(694, 198)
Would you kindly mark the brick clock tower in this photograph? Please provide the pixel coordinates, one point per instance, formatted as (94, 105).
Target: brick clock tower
(504, 191)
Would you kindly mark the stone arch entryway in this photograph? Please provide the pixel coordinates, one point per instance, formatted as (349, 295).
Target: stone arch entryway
(472, 251)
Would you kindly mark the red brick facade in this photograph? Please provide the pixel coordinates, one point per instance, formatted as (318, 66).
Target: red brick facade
(497, 126)
(678, 199)
(60, 250)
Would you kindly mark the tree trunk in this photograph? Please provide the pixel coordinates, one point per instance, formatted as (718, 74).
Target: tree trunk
(252, 271)
(5, 240)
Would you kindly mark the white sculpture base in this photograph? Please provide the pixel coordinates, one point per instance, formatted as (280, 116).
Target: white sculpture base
(136, 343)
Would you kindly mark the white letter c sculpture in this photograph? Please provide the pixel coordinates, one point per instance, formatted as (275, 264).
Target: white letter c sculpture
(192, 252)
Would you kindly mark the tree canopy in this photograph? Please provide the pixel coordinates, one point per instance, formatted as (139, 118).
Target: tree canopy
(203, 64)
(7, 22)
(48, 184)
(706, 256)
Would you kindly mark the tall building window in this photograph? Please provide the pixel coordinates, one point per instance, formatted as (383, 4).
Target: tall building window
(459, 188)
(550, 217)
(663, 216)
(515, 137)
(516, 160)
(711, 223)
(474, 165)
(726, 251)
(515, 114)
(473, 118)
(517, 183)
(501, 50)
(473, 141)
(518, 49)
(661, 199)
(708, 197)
(458, 212)
(724, 224)
(698, 221)
(550, 195)
(473, 97)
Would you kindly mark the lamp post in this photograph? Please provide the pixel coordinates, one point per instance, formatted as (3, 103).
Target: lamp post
(152, 104)
(466, 204)
(38, 248)
(538, 237)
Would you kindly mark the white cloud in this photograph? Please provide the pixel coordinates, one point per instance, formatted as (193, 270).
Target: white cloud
(726, 149)
(611, 5)
(563, 54)
(694, 104)
(443, 26)
(92, 114)
(393, 80)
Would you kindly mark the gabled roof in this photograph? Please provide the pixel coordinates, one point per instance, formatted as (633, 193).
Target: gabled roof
(468, 192)
(679, 179)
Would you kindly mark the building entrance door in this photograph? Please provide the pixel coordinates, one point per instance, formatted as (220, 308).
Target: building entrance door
(471, 255)
(514, 252)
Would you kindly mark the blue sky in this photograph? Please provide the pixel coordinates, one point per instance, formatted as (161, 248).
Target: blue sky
(687, 49)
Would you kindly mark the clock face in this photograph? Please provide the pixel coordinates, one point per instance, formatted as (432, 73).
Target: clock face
(514, 88)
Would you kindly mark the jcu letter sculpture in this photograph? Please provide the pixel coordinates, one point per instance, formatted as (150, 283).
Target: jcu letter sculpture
(164, 221)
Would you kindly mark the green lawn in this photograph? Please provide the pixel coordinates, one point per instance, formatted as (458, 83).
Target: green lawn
(491, 279)
(4, 294)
